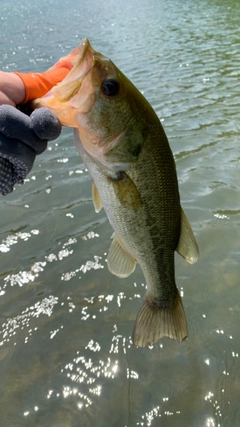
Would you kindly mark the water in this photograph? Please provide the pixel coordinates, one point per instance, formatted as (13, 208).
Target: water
(66, 354)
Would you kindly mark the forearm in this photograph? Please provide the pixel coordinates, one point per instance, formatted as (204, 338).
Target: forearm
(19, 88)
(38, 84)
(12, 89)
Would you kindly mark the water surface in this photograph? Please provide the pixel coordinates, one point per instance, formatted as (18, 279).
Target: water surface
(66, 355)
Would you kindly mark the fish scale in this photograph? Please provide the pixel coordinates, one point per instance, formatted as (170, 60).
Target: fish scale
(124, 146)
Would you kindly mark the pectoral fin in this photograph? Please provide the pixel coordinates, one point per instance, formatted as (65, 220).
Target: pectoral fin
(97, 202)
(120, 262)
(126, 191)
(187, 245)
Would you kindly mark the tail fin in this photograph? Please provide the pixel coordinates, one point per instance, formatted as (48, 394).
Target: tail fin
(154, 322)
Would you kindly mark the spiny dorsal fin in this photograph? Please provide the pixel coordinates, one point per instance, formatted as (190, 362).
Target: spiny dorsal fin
(154, 322)
(97, 202)
(126, 191)
(120, 262)
(187, 246)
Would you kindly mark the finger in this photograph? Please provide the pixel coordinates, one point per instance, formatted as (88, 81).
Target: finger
(45, 124)
(16, 125)
(20, 155)
(6, 177)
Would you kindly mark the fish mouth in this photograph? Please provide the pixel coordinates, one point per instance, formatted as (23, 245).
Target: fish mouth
(88, 59)
(72, 83)
(85, 60)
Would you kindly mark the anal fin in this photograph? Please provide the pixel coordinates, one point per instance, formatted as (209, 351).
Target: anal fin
(154, 322)
(120, 262)
(187, 246)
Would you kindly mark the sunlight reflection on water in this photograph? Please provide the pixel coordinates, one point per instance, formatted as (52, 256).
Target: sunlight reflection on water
(67, 357)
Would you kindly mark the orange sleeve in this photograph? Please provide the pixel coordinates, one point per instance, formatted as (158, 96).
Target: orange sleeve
(38, 84)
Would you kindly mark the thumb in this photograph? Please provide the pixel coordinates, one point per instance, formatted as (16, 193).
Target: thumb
(45, 124)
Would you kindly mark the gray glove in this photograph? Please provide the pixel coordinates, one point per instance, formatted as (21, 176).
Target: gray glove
(22, 137)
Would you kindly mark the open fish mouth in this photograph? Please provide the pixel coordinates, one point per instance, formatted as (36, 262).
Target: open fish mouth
(73, 82)
(85, 60)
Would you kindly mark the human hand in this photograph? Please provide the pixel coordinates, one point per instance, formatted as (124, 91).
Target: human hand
(23, 137)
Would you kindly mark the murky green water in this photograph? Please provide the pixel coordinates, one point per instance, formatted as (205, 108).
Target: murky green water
(66, 355)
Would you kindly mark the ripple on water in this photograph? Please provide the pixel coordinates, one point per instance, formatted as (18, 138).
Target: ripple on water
(66, 350)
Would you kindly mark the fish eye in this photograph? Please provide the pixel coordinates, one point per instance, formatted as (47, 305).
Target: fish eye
(110, 87)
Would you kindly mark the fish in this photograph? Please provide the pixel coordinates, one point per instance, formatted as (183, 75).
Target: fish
(126, 151)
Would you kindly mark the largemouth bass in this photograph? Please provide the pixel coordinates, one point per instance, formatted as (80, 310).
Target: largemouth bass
(123, 144)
